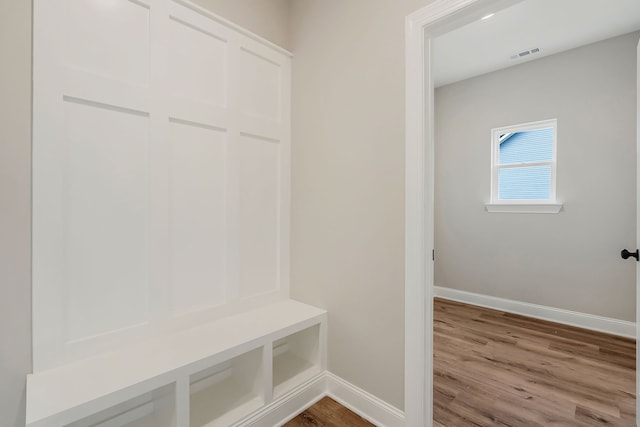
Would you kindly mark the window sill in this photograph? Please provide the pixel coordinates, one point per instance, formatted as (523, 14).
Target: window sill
(546, 208)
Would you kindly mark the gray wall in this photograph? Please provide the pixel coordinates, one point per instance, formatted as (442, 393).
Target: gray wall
(270, 19)
(569, 260)
(15, 208)
(347, 241)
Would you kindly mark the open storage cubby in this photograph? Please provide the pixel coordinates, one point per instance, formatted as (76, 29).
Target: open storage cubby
(296, 358)
(153, 409)
(228, 391)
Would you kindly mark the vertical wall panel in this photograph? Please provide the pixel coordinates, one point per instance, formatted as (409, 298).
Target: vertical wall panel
(105, 207)
(258, 198)
(260, 85)
(197, 217)
(198, 63)
(108, 38)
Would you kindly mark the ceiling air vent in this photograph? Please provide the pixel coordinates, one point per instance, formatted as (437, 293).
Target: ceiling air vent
(525, 53)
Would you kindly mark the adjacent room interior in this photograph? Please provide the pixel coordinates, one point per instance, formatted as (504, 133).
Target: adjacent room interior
(535, 197)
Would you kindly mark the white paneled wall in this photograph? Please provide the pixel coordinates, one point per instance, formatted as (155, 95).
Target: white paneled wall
(198, 219)
(161, 172)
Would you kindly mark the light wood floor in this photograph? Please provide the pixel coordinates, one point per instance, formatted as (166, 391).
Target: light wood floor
(499, 369)
(328, 413)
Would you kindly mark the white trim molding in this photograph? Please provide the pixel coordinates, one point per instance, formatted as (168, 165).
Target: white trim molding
(419, 207)
(637, 226)
(364, 404)
(348, 395)
(523, 207)
(558, 315)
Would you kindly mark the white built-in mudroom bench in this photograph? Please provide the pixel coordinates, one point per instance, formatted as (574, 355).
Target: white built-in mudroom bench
(161, 200)
(218, 374)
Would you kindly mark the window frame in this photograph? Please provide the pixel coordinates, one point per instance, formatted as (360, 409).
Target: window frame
(496, 204)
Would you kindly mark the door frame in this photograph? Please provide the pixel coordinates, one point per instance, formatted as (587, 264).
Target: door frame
(420, 27)
(637, 226)
(419, 208)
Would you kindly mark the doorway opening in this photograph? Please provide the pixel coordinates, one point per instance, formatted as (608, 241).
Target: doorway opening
(423, 29)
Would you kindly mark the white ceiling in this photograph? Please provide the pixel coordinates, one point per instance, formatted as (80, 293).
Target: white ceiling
(551, 25)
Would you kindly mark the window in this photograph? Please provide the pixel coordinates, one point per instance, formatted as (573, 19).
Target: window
(523, 168)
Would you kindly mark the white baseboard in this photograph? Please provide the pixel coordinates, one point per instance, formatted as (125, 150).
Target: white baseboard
(567, 317)
(359, 401)
(362, 403)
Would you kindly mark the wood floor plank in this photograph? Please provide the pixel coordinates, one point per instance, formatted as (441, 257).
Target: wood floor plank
(499, 369)
(328, 413)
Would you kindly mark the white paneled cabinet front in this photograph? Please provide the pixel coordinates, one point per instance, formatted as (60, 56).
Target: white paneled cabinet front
(161, 172)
